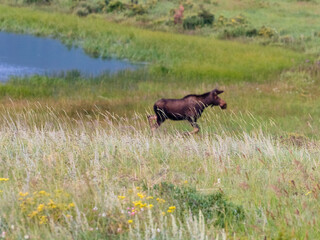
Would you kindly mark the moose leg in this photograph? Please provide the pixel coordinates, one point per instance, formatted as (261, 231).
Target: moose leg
(196, 128)
(151, 118)
(155, 125)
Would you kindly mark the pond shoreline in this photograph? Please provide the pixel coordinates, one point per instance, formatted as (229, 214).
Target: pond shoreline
(186, 57)
(25, 55)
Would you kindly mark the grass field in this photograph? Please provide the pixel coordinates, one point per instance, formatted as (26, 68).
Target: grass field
(296, 27)
(79, 162)
(92, 162)
(164, 51)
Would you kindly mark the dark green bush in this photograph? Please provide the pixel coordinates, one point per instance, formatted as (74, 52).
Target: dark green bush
(193, 22)
(38, 1)
(214, 206)
(238, 31)
(207, 17)
(251, 32)
(115, 6)
(204, 18)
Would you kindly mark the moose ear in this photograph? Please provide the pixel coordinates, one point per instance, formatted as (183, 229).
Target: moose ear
(216, 91)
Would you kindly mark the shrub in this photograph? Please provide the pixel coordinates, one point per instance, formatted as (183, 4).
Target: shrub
(240, 31)
(193, 22)
(96, 7)
(81, 11)
(83, 8)
(115, 6)
(251, 32)
(207, 17)
(178, 16)
(203, 18)
(214, 206)
(38, 1)
(231, 22)
(136, 9)
(267, 32)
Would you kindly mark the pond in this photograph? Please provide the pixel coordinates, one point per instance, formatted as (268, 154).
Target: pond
(22, 55)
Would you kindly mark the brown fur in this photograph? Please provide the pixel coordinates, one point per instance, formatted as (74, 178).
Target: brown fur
(187, 108)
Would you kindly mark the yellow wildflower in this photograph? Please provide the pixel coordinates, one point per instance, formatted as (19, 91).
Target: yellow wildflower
(149, 197)
(4, 179)
(308, 193)
(160, 200)
(23, 194)
(136, 203)
(139, 204)
(130, 221)
(171, 209)
(41, 207)
(121, 197)
(33, 214)
(185, 182)
(43, 220)
(51, 204)
(150, 206)
(68, 216)
(140, 195)
(163, 213)
(138, 188)
(143, 205)
(44, 193)
(71, 205)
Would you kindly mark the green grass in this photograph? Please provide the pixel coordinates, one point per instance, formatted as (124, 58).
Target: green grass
(274, 181)
(186, 57)
(86, 141)
(295, 28)
(290, 100)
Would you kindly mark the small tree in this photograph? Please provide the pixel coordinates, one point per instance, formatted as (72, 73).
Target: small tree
(178, 16)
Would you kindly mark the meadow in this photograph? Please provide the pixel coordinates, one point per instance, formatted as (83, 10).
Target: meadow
(92, 179)
(79, 161)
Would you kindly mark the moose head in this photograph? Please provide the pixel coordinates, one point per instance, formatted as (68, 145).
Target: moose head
(215, 100)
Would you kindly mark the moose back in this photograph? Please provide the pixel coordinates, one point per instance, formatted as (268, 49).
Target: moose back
(187, 108)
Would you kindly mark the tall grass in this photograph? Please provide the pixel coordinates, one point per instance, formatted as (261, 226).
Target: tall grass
(187, 57)
(290, 100)
(91, 162)
(70, 169)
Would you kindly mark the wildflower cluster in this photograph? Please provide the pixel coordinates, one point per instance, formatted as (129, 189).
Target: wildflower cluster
(136, 203)
(42, 207)
(230, 22)
(267, 32)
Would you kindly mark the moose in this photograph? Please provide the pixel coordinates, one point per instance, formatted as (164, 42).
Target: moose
(187, 108)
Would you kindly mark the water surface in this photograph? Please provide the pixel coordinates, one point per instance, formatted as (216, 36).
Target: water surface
(22, 55)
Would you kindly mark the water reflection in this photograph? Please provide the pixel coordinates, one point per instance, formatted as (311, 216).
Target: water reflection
(27, 55)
